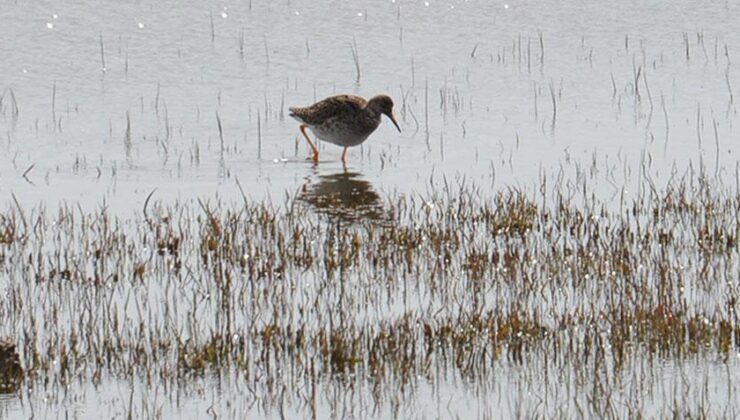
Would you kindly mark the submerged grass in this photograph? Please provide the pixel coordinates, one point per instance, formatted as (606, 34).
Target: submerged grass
(290, 298)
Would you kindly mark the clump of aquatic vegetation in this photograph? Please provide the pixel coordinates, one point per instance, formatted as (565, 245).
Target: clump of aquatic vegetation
(291, 299)
(11, 372)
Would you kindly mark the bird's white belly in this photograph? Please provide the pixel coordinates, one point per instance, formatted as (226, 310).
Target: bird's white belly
(340, 137)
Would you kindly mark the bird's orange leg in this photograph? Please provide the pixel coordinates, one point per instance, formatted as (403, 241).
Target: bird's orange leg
(313, 146)
(344, 155)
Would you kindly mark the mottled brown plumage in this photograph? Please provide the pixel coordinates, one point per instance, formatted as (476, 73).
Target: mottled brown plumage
(344, 120)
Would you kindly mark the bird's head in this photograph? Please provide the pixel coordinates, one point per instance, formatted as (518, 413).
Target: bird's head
(383, 104)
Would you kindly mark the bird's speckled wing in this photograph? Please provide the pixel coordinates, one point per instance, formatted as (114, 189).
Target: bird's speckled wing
(329, 107)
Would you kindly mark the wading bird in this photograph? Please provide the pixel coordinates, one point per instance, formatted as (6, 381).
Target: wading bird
(344, 120)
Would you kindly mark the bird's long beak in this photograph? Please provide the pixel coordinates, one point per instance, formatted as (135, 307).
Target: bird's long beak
(393, 119)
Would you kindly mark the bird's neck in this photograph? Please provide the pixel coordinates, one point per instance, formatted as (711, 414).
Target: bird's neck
(373, 111)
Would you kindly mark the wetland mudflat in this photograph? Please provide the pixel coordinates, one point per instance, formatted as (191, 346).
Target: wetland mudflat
(553, 233)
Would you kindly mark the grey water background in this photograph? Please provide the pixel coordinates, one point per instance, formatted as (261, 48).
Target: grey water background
(105, 102)
(114, 100)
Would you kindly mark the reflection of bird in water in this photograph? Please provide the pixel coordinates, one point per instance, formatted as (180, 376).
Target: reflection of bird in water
(344, 196)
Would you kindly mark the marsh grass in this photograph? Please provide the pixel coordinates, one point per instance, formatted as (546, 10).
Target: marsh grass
(292, 297)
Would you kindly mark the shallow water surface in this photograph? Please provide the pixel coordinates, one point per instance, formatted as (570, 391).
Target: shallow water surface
(113, 101)
(147, 112)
